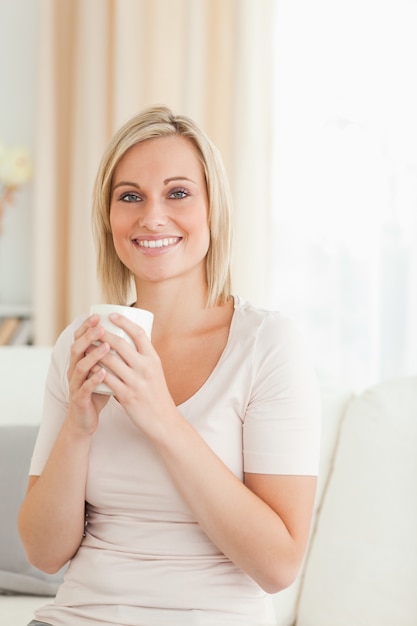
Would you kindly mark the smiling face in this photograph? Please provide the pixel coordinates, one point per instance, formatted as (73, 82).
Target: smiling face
(159, 210)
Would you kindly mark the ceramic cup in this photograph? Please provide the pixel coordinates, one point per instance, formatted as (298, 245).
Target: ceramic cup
(138, 316)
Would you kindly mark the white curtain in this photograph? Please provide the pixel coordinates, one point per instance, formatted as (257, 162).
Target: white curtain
(344, 183)
(101, 61)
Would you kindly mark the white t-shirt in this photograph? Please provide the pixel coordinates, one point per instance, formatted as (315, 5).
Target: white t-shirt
(144, 559)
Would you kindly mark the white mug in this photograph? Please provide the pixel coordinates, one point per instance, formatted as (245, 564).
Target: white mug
(138, 316)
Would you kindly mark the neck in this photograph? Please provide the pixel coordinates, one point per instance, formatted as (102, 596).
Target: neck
(177, 305)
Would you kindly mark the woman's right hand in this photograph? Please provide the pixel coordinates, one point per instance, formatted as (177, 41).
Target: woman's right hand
(84, 374)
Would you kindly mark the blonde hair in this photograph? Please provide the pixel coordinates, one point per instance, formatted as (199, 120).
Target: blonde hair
(159, 121)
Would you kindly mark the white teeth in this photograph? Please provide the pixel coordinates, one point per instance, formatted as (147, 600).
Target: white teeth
(157, 243)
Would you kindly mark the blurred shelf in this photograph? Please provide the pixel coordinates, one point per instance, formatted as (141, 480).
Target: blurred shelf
(15, 310)
(15, 325)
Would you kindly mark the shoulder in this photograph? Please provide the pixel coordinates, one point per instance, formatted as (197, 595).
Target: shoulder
(258, 315)
(282, 420)
(278, 347)
(271, 328)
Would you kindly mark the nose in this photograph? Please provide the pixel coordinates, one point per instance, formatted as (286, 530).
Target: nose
(152, 215)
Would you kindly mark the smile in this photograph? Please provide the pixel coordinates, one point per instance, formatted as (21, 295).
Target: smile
(157, 243)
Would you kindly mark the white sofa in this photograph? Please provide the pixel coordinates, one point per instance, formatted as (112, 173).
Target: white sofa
(361, 565)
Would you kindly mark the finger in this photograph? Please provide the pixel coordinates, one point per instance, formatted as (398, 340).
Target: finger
(135, 332)
(91, 322)
(114, 364)
(94, 354)
(95, 376)
(86, 341)
(81, 370)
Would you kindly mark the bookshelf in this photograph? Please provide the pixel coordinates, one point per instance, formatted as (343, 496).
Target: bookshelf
(15, 325)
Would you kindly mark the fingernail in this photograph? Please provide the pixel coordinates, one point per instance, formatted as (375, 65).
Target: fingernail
(114, 316)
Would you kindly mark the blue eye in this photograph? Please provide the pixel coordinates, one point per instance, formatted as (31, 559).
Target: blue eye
(130, 197)
(178, 194)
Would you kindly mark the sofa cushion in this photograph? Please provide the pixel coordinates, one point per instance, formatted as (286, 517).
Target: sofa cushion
(16, 574)
(362, 568)
(23, 372)
(335, 398)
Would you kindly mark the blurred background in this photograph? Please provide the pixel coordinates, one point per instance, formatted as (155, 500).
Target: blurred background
(312, 105)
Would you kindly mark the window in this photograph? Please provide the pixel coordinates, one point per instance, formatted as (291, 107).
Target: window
(344, 183)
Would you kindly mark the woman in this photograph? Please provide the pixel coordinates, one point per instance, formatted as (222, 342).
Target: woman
(186, 498)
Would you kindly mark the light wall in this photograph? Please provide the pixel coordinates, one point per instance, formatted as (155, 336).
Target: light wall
(18, 97)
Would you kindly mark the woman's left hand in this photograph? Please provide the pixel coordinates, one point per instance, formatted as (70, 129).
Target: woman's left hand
(137, 378)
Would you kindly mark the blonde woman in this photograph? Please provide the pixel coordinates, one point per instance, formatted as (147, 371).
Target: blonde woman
(186, 497)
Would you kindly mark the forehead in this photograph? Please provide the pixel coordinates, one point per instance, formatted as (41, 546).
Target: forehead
(161, 154)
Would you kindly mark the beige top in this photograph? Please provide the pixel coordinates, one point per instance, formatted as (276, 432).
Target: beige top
(144, 559)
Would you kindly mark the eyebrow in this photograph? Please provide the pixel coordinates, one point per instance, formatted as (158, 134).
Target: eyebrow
(169, 180)
(125, 183)
(166, 181)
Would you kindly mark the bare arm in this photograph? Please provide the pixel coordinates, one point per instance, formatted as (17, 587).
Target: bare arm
(262, 525)
(51, 518)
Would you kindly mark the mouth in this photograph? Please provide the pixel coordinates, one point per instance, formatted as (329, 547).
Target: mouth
(163, 242)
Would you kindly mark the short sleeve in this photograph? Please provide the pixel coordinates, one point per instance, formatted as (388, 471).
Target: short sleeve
(281, 432)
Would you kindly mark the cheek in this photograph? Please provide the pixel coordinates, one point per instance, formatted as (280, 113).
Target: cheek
(200, 228)
(199, 222)
(118, 228)
(204, 243)
(114, 219)
(207, 237)
(118, 222)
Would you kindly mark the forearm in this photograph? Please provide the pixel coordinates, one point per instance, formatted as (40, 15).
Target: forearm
(238, 521)
(51, 518)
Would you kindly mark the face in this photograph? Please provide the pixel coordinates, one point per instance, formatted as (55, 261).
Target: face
(159, 210)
